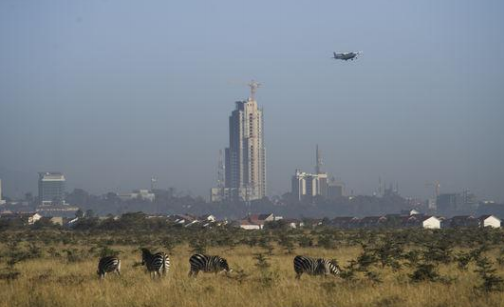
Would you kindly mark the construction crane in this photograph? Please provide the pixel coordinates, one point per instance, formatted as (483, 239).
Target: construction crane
(252, 84)
(253, 88)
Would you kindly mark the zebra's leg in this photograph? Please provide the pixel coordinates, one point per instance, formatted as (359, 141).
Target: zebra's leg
(118, 269)
(194, 273)
(298, 276)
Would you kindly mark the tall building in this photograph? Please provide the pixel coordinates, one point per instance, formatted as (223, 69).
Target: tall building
(220, 193)
(245, 165)
(322, 176)
(456, 203)
(51, 187)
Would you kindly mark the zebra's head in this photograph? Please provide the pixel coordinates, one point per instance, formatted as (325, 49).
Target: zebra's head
(224, 265)
(145, 254)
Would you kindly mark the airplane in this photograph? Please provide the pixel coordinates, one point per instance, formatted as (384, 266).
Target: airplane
(346, 55)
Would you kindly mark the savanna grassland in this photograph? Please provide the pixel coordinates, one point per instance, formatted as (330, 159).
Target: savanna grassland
(55, 267)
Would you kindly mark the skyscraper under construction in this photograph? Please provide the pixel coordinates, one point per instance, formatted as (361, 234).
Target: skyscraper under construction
(245, 163)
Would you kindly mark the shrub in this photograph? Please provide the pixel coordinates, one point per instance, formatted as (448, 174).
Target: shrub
(107, 251)
(9, 274)
(198, 245)
(424, 272)
(326, 241)
(267, 278)
(373, 277)
(286, 242)
(305, 241)
(261, 262)
(491, 282)
(463, 260)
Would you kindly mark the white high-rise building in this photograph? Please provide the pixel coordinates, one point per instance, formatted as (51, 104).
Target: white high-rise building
(304, 184)
(246, 155)
(311, 185)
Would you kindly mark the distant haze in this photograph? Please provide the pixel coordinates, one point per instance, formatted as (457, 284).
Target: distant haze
(114, 92)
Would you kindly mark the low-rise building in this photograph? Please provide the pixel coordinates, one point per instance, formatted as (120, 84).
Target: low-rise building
(57, 210)
(251, 221)
(293, 223)
(56, 220)
(372, 221)
(461, 221)
(28, 218)
(430, 222)
(248, 225)
(208, 218)
(489, 221)
(345, 222)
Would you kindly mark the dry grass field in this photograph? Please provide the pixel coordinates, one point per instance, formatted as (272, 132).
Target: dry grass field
(55, 281)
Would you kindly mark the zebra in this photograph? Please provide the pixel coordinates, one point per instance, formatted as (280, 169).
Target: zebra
(107, 265)
(207, 264)
(315, 266)
(157, 264)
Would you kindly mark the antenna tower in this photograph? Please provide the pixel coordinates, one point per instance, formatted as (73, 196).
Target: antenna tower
(318, 158)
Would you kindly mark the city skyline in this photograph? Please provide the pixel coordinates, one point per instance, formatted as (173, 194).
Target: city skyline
(113, 104)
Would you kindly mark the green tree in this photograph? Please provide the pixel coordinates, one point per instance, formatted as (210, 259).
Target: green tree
(90, 213)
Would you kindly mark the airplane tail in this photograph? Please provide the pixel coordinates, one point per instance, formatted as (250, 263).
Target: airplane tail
(334, 53)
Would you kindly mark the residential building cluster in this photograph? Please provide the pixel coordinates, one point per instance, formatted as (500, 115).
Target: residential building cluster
(412, 219)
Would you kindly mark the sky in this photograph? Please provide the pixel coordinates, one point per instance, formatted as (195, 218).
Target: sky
(112, 93)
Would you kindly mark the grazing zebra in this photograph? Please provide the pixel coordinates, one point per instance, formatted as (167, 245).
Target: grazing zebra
(313, 266)
(207, 264)
(157, 264)
(109, 264)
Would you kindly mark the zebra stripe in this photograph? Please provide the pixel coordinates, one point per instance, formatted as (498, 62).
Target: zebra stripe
(315, 266)
(157, 264)
(107, 265)
(207, 264)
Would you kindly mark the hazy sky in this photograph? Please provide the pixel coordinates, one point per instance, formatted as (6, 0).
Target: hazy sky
(114, 92)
